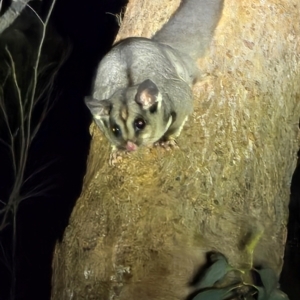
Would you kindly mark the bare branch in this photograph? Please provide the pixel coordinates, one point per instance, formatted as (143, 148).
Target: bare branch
(42, 168)
(12, 13)
(35, 13)
(39, 190)
(35, 76)
(48, 88)
(27, 133)
(11, 146)
(22, 134)
(23, 138)
(6, 144)
(5, 210)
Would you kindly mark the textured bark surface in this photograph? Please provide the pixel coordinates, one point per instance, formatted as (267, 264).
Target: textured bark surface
(141, 230)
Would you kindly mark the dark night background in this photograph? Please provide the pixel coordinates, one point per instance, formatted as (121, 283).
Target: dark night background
(87, 31)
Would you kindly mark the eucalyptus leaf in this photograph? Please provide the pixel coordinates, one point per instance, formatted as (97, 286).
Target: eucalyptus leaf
(269, 280)
(215, 272)
(262, 295)
(278, 295)
(214, 294)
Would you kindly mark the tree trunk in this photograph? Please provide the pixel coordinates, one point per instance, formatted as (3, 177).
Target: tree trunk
(141, 230)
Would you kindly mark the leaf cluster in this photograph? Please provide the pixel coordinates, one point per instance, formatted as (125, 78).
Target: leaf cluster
(265, 285)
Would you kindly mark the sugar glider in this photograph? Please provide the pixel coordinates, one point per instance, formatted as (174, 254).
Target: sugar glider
(142, 93)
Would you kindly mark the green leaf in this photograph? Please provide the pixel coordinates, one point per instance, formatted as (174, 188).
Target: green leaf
(278, 295)
(261, 293)
(269, 280)
(214, 294)
(215, 272)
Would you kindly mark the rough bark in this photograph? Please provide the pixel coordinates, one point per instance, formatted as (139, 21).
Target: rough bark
(141, 230)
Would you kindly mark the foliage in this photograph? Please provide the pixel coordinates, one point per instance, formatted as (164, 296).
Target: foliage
(266, 287)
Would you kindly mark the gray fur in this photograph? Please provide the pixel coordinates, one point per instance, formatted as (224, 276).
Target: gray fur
(191, 29)
(158, 71)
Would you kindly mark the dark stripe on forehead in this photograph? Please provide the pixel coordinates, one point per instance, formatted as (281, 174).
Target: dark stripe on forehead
(129, 77)
(122, 97)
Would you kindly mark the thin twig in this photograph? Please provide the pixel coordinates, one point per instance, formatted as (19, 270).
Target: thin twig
(42, 168)
(36, 72)
(40, 19)
(5, 260)
(21, 108)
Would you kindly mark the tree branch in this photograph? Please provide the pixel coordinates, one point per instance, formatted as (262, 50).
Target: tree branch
(12, 13)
